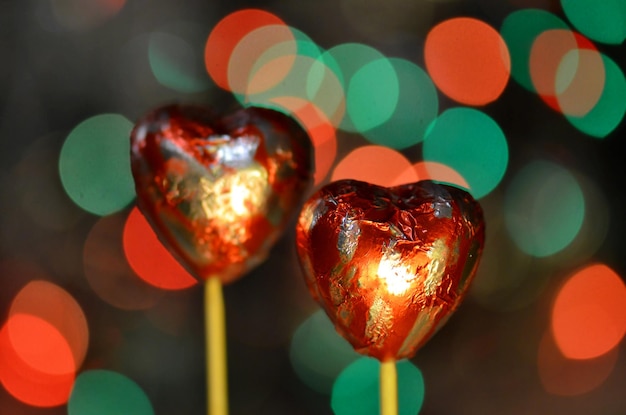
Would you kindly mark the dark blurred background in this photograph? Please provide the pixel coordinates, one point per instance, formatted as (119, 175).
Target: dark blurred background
(65, 61)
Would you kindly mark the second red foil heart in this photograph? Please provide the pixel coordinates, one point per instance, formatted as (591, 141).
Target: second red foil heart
(389, 265)
(219, 191)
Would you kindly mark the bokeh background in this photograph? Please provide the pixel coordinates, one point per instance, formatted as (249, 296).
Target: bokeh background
(520, 101)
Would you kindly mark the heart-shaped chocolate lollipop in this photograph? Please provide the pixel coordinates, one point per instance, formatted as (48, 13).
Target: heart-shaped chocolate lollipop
(219, 191)
(389, 265)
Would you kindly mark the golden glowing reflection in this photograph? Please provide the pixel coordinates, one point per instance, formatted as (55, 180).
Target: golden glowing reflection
(395, 272)
(234, 196)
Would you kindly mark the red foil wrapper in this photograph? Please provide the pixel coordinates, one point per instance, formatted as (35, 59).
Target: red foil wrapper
(389, 265)
(219, 191)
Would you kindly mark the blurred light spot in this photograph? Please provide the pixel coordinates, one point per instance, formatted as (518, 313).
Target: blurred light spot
(108, 272)
(295, 68)
(356, 390)
(519, 30)
(94, 164)
(580, 80)
(320, 130)
(603, 21)
(546, 53)
(149, 258)
(326, 89)
(49, 383)
(225, 37)
(274, 65)
(417, 106)
(56, 307)
(40, 345)
(567, 71)
(40, 191)
(609, 111)
(374, 164)
(589, 313)
(566, 377)
(175, 61)
(410, 175)
(305, 46)
(471, 143)
(544, 208)
(429, 170)
(103, 392)
(373, 94)
(318, 353)
(324, 92)
(347, 59)
(85, 14)
(253, 46)
(272, 73)
(468, 60)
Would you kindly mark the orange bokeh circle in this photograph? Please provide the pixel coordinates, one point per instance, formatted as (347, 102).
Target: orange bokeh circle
(147, 256)
(468, 60)
(225, 37)
(589, 313)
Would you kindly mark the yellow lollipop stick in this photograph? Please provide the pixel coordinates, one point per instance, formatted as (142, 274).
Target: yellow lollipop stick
(388, 388)
(215, 329)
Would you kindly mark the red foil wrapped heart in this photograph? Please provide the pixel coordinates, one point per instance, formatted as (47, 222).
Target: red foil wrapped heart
(219, 191)
(389, 265)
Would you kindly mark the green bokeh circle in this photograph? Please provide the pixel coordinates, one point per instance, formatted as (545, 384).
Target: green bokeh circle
(544, 208)
(417, 106)
(94, 164)
(348, 59)
(473, 144)
(103, 392)
(356, 390)
(603, 21)
(373, 94)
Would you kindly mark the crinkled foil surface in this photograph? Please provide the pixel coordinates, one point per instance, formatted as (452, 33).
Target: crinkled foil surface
(389, 265)
(219, 191)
